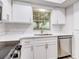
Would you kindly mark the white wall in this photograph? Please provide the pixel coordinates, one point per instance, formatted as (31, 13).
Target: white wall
(72, 27)
(68, 28)
(24, 28)
(18, 28)
(76, 30)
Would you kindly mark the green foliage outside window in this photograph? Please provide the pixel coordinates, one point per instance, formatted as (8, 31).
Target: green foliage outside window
(41, 19)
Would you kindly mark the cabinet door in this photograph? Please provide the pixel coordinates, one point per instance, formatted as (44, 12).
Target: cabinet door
(54, 17)
(27, 52)
(6, 10)
(58, 16)
(39, 52)
(61, 16)
(52, 51)
(22, 12)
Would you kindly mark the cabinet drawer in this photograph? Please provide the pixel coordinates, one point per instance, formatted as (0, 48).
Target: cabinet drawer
(27, 46)
(26, 41)
(46, 41)
(40, 41)
(51, 40)
(54, 42)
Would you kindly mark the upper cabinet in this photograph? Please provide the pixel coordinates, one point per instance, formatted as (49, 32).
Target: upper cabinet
(22, 13)
(58, 16)
(16, 12)
(6, 10)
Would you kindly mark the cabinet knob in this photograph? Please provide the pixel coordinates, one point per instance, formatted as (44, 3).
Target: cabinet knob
(46, 46)
(7, 16)
(31, 48)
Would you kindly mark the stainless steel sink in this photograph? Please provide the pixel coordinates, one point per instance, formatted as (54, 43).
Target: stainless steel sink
(43, 34)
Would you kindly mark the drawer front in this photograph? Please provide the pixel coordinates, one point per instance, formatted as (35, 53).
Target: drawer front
(27, 46)
(39, 42)
(52, 41)
(46, 41)
(26, 42)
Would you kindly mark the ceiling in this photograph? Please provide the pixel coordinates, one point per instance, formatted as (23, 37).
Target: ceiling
(43, 2)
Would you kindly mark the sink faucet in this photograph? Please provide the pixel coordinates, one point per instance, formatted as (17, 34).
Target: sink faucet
(42, 30)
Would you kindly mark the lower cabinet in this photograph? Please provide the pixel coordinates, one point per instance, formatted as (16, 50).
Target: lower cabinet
(52, 52)
(39, 48)
(27, 52)
(39, 52)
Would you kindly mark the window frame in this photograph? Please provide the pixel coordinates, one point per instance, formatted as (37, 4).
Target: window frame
(49, 21)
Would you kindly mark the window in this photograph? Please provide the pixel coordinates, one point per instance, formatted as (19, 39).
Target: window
(41, 19)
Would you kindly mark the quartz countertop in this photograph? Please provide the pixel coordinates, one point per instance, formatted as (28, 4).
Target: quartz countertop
(17, 37)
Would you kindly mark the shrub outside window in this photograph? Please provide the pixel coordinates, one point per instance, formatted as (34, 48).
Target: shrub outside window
(41, 19)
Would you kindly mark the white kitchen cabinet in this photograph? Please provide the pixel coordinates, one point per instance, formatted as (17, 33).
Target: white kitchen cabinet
(39, 52)
(27, 52)
(58, 16)
(6, 10)
(39, 48)
(22, 12)
(51, 51)
(27, 49)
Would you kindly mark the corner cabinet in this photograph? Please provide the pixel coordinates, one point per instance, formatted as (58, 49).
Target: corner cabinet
(58, 16)
(39, 48)
(22, 12)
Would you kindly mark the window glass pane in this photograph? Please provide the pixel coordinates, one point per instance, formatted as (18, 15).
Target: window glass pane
(41, 19)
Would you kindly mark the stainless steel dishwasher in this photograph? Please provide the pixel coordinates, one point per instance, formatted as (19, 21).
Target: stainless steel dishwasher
(64, 46)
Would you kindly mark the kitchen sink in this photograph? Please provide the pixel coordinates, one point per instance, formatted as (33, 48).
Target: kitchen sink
(43, 34)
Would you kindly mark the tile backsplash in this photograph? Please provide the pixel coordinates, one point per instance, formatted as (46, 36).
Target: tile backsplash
(14, 28)
(18, 28)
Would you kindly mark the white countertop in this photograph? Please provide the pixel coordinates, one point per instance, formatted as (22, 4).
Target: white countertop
(13, 37)
(17, 37)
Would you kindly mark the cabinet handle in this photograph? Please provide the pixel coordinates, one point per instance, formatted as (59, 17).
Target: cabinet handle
(7, 16)
(27, 42)
(31, 48)
(46, 46)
